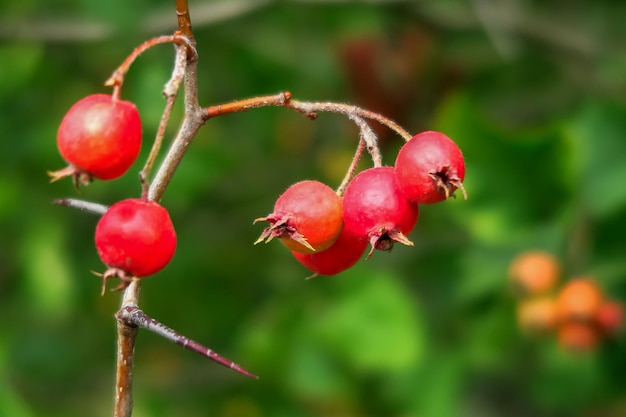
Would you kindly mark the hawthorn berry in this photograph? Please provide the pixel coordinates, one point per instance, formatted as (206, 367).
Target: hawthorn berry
(534, 273)
(375, 209)
(578, 336)
(610, 317)
(536, 315)
(344, 253)
(579, 300)
(135, 238)
(429, 168)
(307, 217)
(100, 137)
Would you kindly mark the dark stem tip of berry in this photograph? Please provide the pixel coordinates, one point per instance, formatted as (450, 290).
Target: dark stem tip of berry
(459, 185)
(384, 240)
(447, 183)
(125, 278)
(78, 177)
(281, 227)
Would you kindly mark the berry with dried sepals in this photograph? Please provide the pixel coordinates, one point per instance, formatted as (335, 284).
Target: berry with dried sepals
(307, 217)
(100, 137)
(429, 168)
(375, 209)
(135, 238)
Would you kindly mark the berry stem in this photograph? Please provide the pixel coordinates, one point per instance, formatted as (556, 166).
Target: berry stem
(275, 100)
(352, 168)
(116, 80)
(368, 137)
(309, 109)
(136, 317)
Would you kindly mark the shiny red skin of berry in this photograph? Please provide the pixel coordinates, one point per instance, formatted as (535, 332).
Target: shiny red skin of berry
(100, 136)
(344, 253)
(136, 236)
(429, 168)
(376, 211)
(307, 217)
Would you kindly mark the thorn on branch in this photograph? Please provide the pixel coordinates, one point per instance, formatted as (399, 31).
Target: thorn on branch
(86, 206)
(133, 316)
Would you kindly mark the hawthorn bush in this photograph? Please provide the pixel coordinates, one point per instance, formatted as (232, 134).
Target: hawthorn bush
(428, 330)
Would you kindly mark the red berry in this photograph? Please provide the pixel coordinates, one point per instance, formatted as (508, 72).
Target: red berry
(534, 273)
(135, 238)
(344, 253)
(307, 217)
(429, 168)
(578, 337)
(376, 211)
(99, 137)
(579, 300)
(610, 317)
(537, 315)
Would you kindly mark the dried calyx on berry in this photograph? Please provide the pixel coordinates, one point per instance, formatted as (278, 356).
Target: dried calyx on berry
(134, 238)
(376, 211)
(430, 168)
(307, 217)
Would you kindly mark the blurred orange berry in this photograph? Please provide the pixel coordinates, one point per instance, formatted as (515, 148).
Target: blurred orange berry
(536, 315)
(610, 317)
(579, 300)
(578, 337)
(534, 273)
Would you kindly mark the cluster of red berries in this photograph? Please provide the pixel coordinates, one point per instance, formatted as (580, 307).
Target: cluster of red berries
(328, 233)
(100, 137)
(578, 311)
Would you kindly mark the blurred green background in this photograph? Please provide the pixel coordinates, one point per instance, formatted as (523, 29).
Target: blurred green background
(534, 92)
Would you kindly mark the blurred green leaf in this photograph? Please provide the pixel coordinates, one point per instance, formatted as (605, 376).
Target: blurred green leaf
(19, 64)
(374, 326)
(47, 276)
(597, 135)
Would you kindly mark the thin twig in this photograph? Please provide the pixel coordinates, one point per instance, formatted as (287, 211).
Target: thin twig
(310, 110)
(274, 100)
(184, 20)
(192, 121)
(368, 136)
(171, 93)
(307, 108)
(132, 314)
(86, 206)
(352, 168)
(348, 110)
(116, 79)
